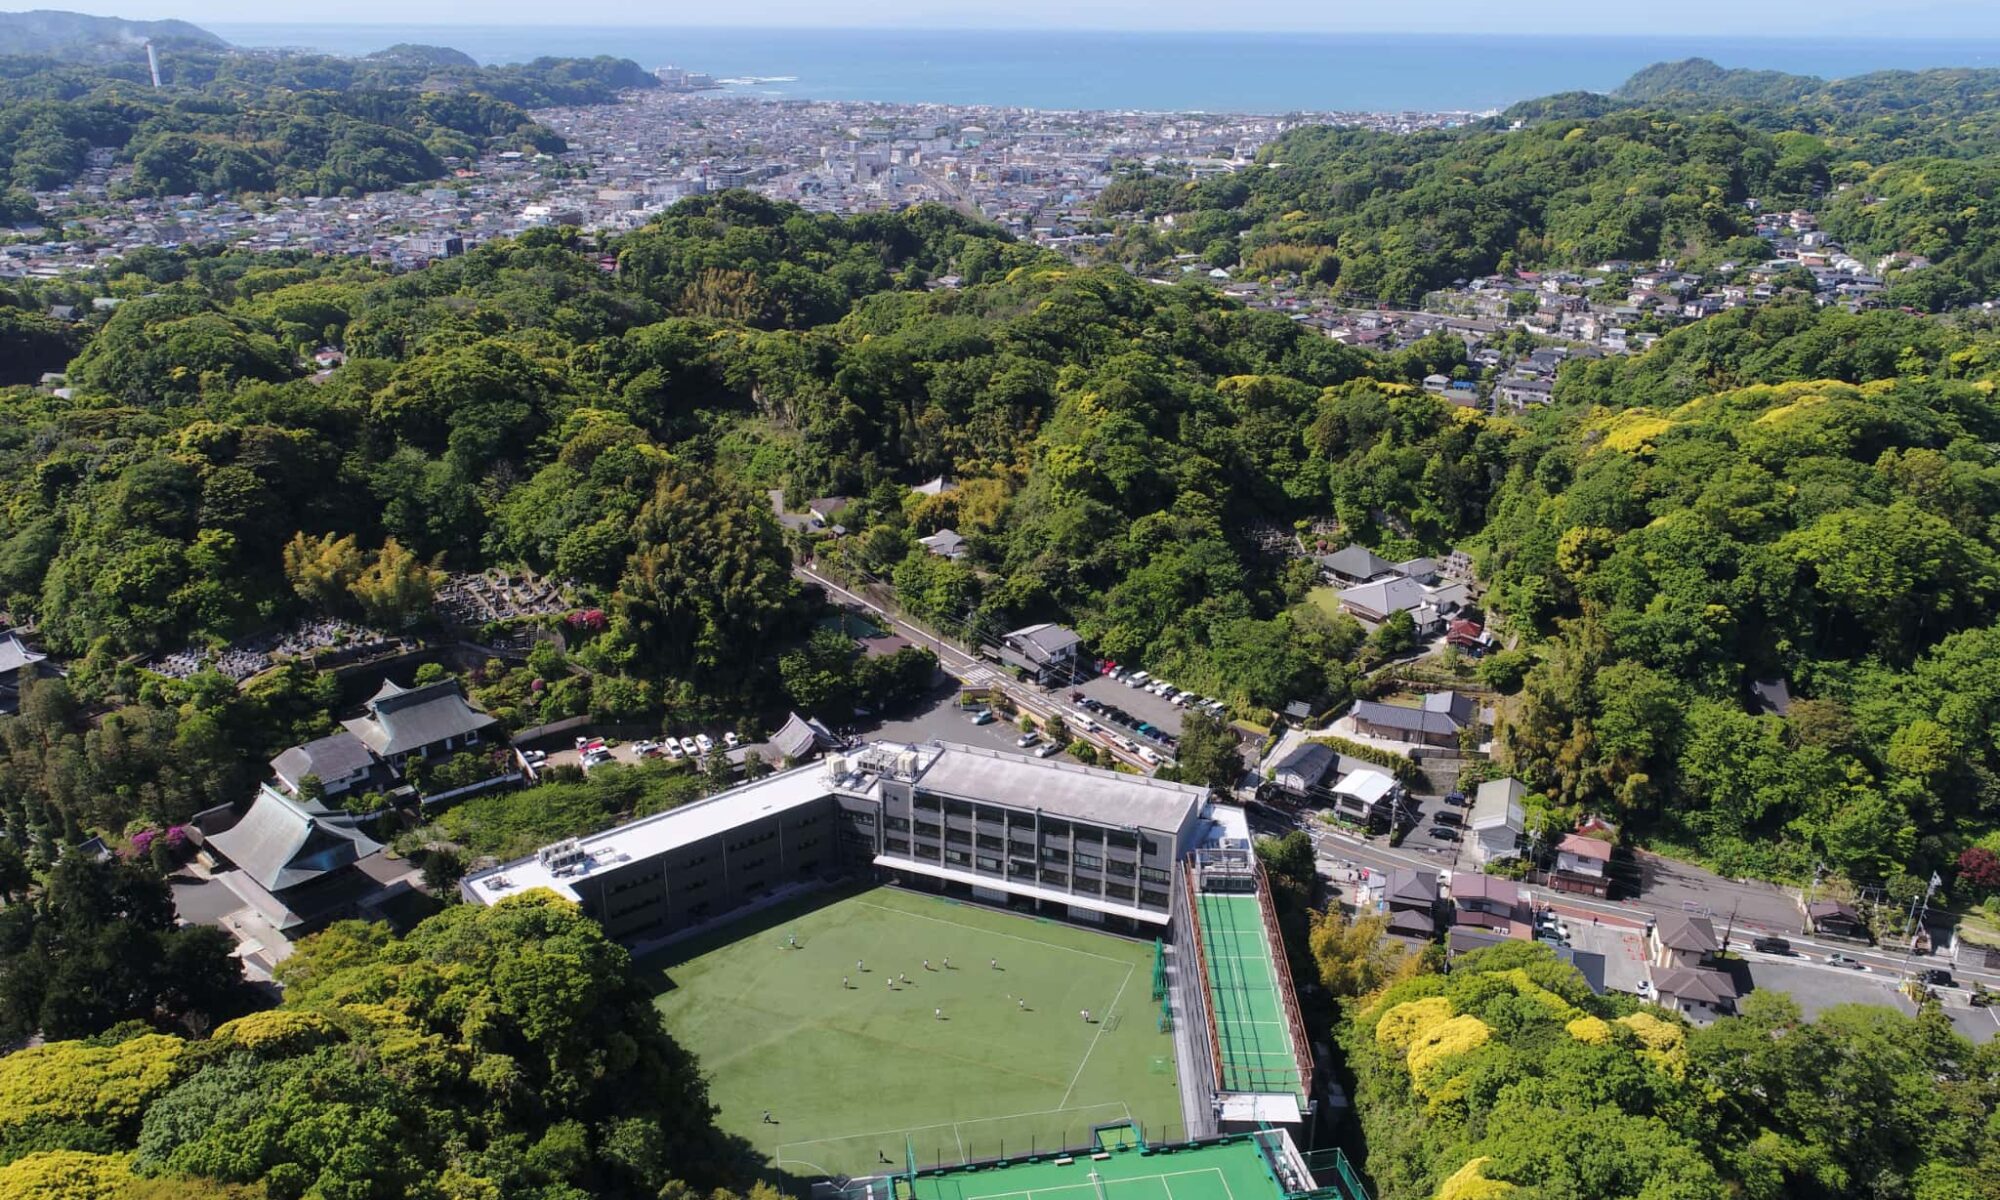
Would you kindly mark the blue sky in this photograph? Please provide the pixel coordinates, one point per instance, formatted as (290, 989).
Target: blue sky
(1927, 19)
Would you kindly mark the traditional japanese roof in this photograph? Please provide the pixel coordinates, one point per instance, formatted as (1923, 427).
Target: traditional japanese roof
(1442, 713)
(403, 720)
(945, 541)
(282, 843)
(334, 757)
(16, 654)
(1356, 562)
(796, 740)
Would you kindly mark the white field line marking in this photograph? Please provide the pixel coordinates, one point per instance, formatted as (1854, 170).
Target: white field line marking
(1100, 1033)
(1161, 1179)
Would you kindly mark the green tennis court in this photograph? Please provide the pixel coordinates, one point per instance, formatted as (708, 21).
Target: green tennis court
(1233, 1170)
(960, 1063)
(1250, 1026)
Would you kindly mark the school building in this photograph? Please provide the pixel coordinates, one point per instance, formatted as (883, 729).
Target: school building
(1055, 838)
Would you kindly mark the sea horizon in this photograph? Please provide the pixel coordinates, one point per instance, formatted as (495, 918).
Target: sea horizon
(1153, 71)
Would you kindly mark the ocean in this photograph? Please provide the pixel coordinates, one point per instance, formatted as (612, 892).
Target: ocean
(1256, 73)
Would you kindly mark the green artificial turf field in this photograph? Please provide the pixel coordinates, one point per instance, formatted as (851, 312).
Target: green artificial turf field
(852, 1076)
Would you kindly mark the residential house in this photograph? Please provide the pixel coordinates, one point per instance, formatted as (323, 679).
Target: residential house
(1833, 918)
(940, 486)
(1582, 866)
(297, 864)
(945, 543)
(1355, 564)
(1369, 796)
(1491, 903)
(421, 722)
(1048, 651)
(1520, 393)
(824, 511)
(1680, 951)
(1680, 940)
(1468, 637)
(1699, 993)
(1436, 384)
(1412, 897)
(1497, 821)
(19, 663)
(340, 762)
(1302, 774)
(1439, 722)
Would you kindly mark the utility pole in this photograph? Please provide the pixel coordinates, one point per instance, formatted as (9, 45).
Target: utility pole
(1922, 904)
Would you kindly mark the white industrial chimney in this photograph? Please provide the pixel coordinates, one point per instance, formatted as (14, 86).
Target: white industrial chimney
(153, 64)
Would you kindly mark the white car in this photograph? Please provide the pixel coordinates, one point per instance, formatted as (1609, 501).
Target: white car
(730, 739)
(1027, 739)
(1048, 751)
(690, 747)
(672, 749)
(704, 742)
(1146, 752)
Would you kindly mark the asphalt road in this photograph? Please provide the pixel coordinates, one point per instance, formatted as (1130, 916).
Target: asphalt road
(972, 669)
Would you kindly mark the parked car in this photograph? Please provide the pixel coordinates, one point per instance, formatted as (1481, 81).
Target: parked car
(1146, 752)
(1048, 751)
(730, 739)
(983, 717)
(704, 742)
(1455, 799)
(1936, 977)
(1137, 679)
(1443, 834)
(672, 749)
(1027, 739)
(535, 758)
(1837, 959)
(690, 747)
(1771, 945)
(1448, 816)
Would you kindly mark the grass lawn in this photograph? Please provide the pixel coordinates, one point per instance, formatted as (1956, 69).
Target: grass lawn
(850, 1074)
(1326, 599)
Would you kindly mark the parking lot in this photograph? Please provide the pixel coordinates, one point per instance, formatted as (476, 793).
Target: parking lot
(1817, 988)
(1137, 701)
(1420, 837)
(939, 718)
(1623, 948)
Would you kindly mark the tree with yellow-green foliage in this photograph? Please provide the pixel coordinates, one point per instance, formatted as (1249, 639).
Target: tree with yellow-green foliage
(395, 588)
(503, 1051)
(323, 569)
(1509, 1074)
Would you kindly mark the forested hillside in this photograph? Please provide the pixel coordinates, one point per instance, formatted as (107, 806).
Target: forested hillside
(1797, 494)
(227, 122)
(491, 1052)
(1508, 1078)
(1905, 163)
